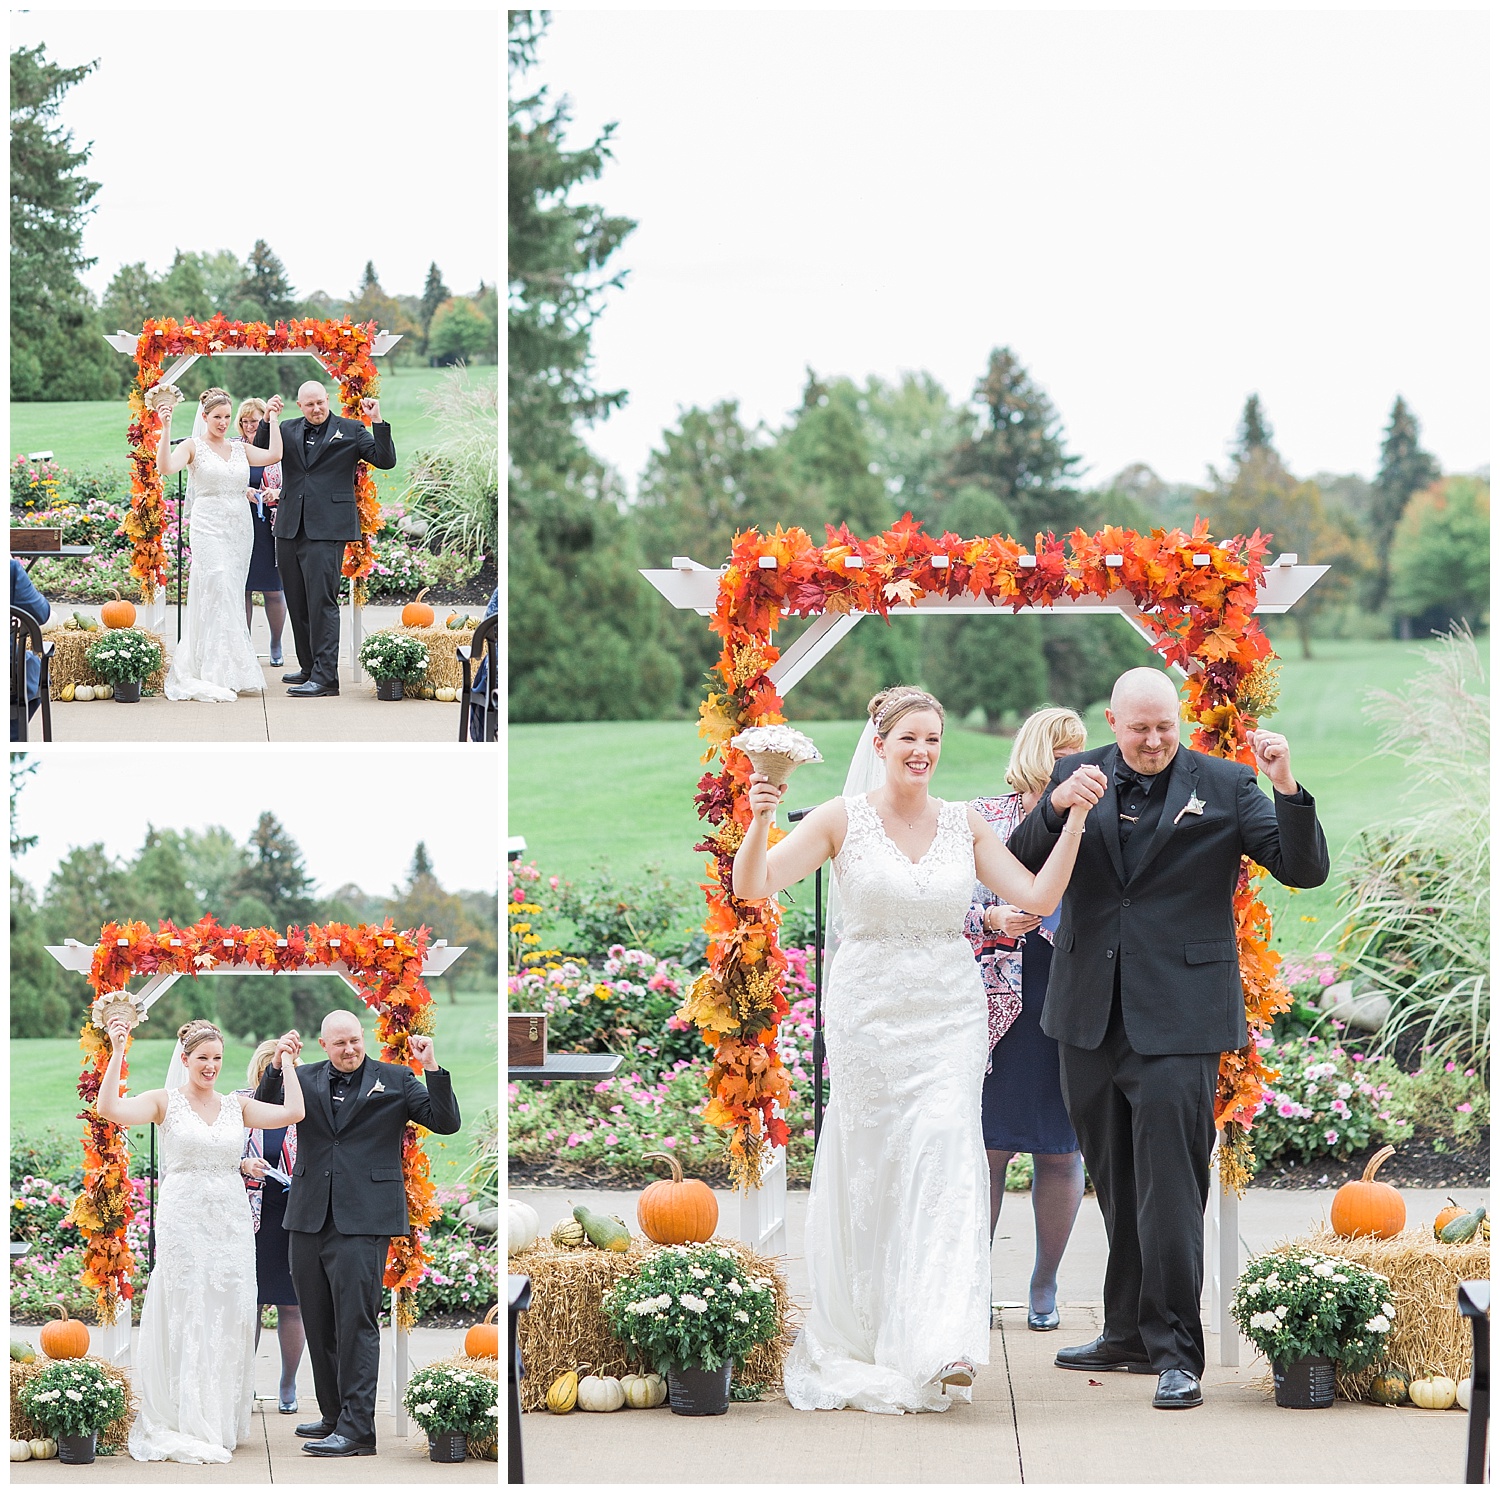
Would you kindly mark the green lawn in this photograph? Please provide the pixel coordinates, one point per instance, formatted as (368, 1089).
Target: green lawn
(623, 791)
(44, 1075)
(92, 434)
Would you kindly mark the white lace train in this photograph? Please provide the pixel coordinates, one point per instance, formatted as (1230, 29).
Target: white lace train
(897, 1240)
(195, 1372)
(214, 660)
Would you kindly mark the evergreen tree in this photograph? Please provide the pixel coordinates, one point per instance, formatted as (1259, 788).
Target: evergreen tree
(158, 882)
(912, 428)
(1254, 433)
(1405, 469)
(265, 284)
(276, 874)
(421, 863)
(57, 348)
(86, 890)
(38, 1009)
(130, 299)
(557, 253)
(372, 304)
(434, 293)
(182, 293)
(829, 462)
(1016, 451)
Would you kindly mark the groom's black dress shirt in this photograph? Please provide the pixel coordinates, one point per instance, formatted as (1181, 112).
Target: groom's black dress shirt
(342, 1085)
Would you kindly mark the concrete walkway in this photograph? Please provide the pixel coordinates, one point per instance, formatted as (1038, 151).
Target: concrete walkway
(1029, 1422)
(274, 716)
(273, 1454)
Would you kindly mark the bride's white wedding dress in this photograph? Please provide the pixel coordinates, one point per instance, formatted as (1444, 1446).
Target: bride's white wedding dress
(195, 1371)
(897, 1241)
(214, 660)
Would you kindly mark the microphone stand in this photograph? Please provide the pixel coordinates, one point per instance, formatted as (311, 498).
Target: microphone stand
(817, 1047)
(180, 523)
(151, 1223)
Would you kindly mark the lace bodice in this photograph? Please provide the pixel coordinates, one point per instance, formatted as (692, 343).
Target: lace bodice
(190, 1145)
(219, 479)
(885, 897)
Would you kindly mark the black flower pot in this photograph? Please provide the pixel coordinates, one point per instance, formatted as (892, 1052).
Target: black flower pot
(76, 1449)
(699, 1392)
(129, 690)
(389, 689)
(447, 1447)
(1304, 1384)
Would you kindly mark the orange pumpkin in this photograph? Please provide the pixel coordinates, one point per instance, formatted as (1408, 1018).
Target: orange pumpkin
(417, 614)
(482, 1341)
(1446, 1217)
(674, 1212)
(118, 613)
(1365, 1207)
(66, 1339)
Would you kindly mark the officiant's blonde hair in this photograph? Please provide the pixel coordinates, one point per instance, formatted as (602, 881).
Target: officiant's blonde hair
(259, 1061)
(1041, 734)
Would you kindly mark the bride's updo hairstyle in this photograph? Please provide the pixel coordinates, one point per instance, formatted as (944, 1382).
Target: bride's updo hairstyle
(211, 397)
(197, 1031)
(887, 708)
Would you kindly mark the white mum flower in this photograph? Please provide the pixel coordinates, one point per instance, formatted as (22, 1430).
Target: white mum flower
(697, 1271)
(1281, 1310)
(1378, 1324)
(741, 1316)
(692, 1303)
(735, 1289)
(1388, 1309)
(1323, 1269)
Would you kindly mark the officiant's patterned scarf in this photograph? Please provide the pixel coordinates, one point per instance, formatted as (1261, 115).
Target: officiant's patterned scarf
(255, 1146)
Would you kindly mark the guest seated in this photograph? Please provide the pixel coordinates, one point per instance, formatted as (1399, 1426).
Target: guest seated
(26, 598)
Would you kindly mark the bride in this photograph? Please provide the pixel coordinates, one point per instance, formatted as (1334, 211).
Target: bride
(196, 1371)
(214, 660)
(897, 1240)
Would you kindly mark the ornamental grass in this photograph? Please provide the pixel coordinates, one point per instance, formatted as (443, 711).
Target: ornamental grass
(565, 1326)
(70, 665)
(1429, 1336)
(111, 1437)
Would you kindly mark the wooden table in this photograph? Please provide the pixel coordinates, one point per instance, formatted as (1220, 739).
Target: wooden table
(594, 1066)
(29, 558)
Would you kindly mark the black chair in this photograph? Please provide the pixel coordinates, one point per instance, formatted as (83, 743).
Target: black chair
(1474, 1304)
(520, 1299)
(26, 637)
(487, 698)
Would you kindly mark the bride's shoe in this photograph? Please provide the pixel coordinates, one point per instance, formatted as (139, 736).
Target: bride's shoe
(960, 1372)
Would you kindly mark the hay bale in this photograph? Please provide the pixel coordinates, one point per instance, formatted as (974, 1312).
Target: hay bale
(443, 668)
(112, 1438)
(70, 666)
(1429, 1334)
(565, 1325)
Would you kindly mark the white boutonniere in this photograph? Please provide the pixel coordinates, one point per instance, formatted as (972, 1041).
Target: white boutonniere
(337, 436)
(1194, 805)
(377, 1088)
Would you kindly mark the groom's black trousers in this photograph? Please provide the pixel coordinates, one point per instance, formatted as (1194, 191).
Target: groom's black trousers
(1145, 1125)
(338, 1281)
(311, 572)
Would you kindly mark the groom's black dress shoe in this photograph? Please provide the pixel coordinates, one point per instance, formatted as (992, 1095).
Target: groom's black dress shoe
(312, 687)
(334, 1446)
(1177, 1390)
(315, 1428)
(1101, 1356)
(301, 677)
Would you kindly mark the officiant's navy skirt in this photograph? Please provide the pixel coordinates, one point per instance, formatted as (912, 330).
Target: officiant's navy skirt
(1023, 1108)
(273, 1273)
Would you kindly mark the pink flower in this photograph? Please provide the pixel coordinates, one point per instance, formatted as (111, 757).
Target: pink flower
(1463, 1109)
(1449, 1067)
(1325, 977)
(1330, 1137)
(669, 1141)
(552, 883)
(1286, 1109)
(574, 1138)
(611, 1139)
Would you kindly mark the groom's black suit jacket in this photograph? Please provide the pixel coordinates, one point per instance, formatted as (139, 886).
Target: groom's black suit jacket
(1167, 929)
(351, 1163)
(317, 491)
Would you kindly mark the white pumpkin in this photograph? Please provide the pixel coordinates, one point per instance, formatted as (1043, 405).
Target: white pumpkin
(106, 691)
(643, 1392)
(446, 693)
(600, 1393)
(1464, 1392)
(1433, 1393)
(42, 1447)
(84, 692)
(20, 1451)
(522, 1226)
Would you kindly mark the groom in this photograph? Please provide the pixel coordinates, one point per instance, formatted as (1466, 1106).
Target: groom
(317, 516)
(348, 1197)
(1145, 994)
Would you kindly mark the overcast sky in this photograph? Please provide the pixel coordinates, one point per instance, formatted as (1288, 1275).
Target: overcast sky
(1159, 212)
(357, 815)
(369, 135)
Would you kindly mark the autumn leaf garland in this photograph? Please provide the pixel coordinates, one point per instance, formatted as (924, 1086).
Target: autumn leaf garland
(1197, 597)
(386, 964)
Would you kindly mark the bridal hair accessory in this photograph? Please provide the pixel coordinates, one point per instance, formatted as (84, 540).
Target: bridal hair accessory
(776, 750)
(163, 394)
(215, 396)
(1194, 805)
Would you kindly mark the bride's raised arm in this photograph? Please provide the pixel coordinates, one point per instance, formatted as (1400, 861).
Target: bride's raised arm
(760, 872)
(134, 1110)
(267, 456)
(265, 1116)
(167, 460)
(1004, 875)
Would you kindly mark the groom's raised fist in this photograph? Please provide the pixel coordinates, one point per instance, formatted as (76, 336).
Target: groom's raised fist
(370, 407)
(421, 1050)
